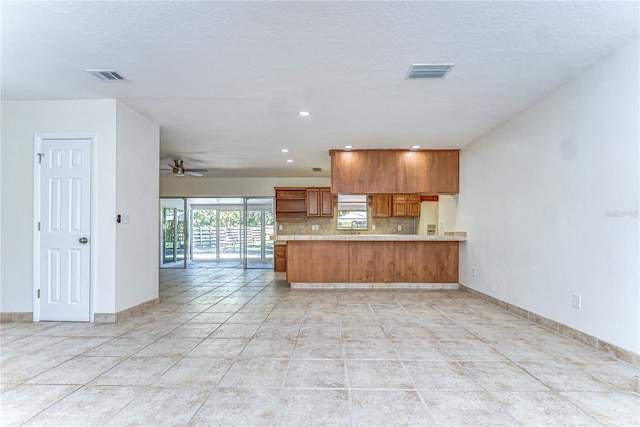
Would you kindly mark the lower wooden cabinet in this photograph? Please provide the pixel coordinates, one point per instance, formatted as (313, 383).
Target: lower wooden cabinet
(280, 258)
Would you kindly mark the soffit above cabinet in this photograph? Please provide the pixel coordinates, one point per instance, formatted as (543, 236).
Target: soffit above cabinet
(395, 171)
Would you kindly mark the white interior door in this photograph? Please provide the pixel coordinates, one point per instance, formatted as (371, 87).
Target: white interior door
(65, 244)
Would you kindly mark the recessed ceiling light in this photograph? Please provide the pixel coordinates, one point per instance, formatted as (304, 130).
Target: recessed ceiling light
(304, 113)
(348, 147)
(289, 161)
(284, 150)
(415, 147)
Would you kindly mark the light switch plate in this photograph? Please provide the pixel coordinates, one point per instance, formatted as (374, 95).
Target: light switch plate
(125, 218)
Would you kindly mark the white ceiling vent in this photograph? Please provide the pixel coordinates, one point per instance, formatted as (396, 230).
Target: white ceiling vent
(429, 71)
(106, 74)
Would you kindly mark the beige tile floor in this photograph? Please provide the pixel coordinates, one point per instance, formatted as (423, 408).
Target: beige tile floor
(234, 347)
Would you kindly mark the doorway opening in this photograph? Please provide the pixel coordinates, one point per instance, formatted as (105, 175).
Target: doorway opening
(220, 232)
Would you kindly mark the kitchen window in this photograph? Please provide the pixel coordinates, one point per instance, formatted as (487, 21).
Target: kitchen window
(352, 212)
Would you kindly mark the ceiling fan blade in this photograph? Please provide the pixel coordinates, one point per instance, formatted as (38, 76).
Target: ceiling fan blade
(196, 170)
(192, 173)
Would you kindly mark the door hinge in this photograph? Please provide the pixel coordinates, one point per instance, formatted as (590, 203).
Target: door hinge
(40, 156)
(38, 225)
(38, 293)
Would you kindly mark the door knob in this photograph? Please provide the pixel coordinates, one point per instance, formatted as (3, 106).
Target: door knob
(83, 240)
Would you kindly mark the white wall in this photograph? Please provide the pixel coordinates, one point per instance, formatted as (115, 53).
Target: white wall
(138, 146)
(550, 201)
(21, 121)
(186, 186)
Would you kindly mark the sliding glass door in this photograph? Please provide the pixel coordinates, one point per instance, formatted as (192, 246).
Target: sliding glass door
(232, 232)
(258, 239)
(173, 236)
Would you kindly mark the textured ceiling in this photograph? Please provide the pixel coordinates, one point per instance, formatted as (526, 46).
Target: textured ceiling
(225, 80)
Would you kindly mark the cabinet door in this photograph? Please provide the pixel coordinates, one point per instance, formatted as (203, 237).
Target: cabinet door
(313, 202)
(381, 206)
(443, 172)
(326, 202)
(280, 258)
(413, 208)
(400, 208)
(399, 205)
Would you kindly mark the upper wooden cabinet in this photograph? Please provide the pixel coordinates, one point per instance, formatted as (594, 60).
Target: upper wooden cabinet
(319, 202)
(295, 204)
(326, 205)
(381, 206)
(406, 205)
(396, 205)
(395, 171)
(291, 204)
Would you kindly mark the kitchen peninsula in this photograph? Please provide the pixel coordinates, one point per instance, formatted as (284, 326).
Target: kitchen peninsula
(341, 260)
(357, 261)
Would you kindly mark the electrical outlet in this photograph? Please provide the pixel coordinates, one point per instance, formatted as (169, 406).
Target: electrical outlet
(399, 228)
(474, 273)
(577, 301)
(280, 227)
(373, 226)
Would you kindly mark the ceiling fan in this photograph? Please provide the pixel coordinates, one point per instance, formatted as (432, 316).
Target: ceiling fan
(178, 169)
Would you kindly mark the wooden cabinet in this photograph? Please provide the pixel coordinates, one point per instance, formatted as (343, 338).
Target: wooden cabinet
(396, 205)
(406, 205)
(413, 206)
(399, 205)
(319, 202)
(280, 258)
(291, 204)
(313, 202)
(395, 171)
(326, 202)
(381, 206)
(295, 204)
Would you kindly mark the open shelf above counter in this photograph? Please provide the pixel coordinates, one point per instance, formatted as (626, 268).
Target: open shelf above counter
(291, 204)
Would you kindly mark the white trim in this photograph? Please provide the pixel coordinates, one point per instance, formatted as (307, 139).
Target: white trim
(37, 147)
(37, 193)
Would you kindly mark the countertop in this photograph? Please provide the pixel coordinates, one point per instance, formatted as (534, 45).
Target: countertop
(371, 237)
